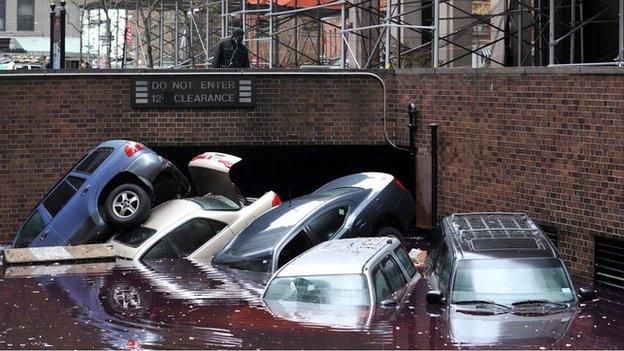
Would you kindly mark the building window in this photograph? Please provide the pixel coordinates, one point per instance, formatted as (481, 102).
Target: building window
(25, 15)
(2, 15)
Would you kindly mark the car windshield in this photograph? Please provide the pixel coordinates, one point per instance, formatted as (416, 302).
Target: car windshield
(213, 202)
(342, 290)
(511, 281)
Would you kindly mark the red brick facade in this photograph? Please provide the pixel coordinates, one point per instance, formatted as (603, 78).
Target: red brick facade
(546, 142)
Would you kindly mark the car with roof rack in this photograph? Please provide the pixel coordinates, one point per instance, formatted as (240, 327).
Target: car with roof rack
(114, 186)
(357, 205)
(497, 261)
(343, 281)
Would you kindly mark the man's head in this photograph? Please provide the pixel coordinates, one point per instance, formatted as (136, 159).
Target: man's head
(237, 35)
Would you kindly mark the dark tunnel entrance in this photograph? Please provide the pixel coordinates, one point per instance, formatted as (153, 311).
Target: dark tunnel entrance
(293, 171)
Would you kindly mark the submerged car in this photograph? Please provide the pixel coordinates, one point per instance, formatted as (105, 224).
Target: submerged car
(358, 205)
(196, 227)
(346, 272)
(498, 263)
(114, 186)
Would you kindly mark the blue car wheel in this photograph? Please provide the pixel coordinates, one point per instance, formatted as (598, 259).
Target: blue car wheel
(128, 205)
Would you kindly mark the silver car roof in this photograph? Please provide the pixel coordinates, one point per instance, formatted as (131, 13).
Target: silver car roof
(342, 256)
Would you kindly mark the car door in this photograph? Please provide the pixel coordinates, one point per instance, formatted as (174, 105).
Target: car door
(184, 239)
(71, 208)
(36, 231)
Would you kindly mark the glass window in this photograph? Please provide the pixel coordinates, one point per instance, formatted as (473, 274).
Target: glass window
(406, 262)
(25, 15)
(136, 236)
(33, 226)
(394, 274)
(216, 203)
(341, 290)
(381, 286)
(157, 251)
(90, 163)
(185, 239)
(440, 256)
(445, 273)
(59, 197)
(76, 182)
(509, 281)
(327, 224)
(298, 245)
(2, 15)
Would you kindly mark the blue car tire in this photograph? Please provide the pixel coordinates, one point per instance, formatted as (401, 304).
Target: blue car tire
(128, 205)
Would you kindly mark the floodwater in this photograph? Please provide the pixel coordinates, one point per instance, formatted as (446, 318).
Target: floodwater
(183, 304)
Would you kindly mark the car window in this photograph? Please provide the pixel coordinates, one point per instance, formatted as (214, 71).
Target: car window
(187, 238)
(445, 273)
(440, 256)
(298, 245)
(76, 182)
(91, 163)
(382, 290)
(58, 197)
(337, 289)
(33, 226)
(406, 262)
(157, 251)
(327, 224)
(394, 274)
(135, 236)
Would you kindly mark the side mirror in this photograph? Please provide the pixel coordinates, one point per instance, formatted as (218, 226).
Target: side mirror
(435, 296)
(586, 293)
(388, 303)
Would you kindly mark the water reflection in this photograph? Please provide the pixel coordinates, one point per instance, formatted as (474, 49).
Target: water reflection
(184, 304)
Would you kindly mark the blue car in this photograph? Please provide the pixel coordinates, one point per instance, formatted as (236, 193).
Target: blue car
(114, 186)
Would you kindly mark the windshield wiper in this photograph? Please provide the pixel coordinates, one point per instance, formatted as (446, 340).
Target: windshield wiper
(470, 302)
(531, 302)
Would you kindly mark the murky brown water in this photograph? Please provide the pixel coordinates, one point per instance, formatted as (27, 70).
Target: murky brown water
(180, 304)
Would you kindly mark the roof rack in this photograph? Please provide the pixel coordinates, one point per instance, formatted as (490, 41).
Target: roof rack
(494, 225)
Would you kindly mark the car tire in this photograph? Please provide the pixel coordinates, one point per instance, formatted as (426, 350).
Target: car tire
(128, 205)
(392, 232)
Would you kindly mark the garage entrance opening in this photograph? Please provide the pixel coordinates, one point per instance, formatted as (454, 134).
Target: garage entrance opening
(293, 171)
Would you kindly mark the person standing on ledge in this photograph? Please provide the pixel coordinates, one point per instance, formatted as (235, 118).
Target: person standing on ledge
(231, 52)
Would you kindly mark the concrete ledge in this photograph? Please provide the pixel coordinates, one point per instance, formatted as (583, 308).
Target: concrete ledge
(559, 70)
(59, 254)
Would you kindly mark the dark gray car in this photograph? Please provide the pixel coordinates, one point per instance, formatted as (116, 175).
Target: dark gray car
(363, 204)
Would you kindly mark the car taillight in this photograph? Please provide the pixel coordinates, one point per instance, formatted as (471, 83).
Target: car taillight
(132, 148)
(276, 201)
(202, 157)
(399, 184)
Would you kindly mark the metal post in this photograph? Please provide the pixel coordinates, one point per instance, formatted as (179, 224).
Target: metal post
(551, 33)
(270, 34)
(540, 26)
(581, 19)
(208, 46)
(62, 17)
(160, 34)
(388, 29)
(343, 36)
(436, 33)
(176, 50)
(621, 34)
(519, 28)
(52, 15)
(572, 25)
(434, 174)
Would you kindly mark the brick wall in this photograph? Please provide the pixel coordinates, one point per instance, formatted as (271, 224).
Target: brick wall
(546, 142)
(549, 142)
(48, 123)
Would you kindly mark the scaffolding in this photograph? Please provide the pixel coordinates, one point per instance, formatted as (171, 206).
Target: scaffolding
(356, 33)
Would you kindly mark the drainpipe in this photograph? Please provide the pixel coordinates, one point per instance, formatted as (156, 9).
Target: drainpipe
(434, 175)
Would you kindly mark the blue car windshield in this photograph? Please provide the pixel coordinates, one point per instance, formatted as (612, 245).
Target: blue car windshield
(510, 281)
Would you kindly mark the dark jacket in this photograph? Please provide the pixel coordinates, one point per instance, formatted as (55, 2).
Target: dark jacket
(229, 54)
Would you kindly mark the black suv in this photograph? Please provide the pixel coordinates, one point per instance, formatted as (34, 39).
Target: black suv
(490, 261)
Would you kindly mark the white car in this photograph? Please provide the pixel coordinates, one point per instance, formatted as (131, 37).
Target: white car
(197, 227)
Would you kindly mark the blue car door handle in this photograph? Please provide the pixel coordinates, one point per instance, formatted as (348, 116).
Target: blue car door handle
(84, 191)
(43, 236)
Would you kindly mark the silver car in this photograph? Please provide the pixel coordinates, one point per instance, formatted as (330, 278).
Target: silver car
(346, 272)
